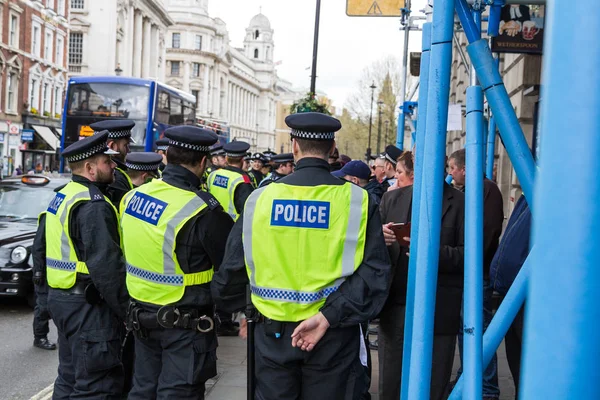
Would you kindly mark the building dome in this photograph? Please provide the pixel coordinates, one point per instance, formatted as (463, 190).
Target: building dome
(260, 21)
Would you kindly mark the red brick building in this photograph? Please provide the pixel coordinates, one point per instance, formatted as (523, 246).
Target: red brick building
(33, 79)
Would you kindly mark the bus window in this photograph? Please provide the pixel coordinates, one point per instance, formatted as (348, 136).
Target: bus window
(189, 111)
(163, 108)
(91, 102)
(176, 116)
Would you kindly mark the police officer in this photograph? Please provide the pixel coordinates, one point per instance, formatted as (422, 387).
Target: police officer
(85, 269)
(332, 271)
(257, 161)
(142, 166)
(283, 165)
(174, 238)
(232, 185)
(217, 157)
(161, 148)
(119, 138)
(41, 316)
(390, 156)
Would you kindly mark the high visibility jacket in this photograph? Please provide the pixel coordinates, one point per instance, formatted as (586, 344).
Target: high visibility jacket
(153, 215)
(130, 183)
(222, 184)
(309, 239)
(62, 264)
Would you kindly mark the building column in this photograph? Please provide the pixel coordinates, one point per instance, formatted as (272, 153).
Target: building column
(205, 85)
(154, 51)
(147, 48)
(186, 76)
(217, 93)
(127, 65)
(137, 45)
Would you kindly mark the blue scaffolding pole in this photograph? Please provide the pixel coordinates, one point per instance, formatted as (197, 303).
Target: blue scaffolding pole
(430, 214)
(416, 206)
(491, 140)
(473, 289)
(562, 327)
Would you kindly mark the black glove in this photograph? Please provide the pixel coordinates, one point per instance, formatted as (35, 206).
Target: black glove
(38, 278)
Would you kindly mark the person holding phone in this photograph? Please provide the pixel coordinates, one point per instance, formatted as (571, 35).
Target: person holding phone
(396, 207)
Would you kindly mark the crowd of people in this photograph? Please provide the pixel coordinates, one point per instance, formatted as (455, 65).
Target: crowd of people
(144, 258)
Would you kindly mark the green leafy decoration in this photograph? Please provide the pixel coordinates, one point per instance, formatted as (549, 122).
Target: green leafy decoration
(309, 104)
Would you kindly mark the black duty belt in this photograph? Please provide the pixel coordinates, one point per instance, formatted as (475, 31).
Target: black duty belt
(169, 317)
(92, 296)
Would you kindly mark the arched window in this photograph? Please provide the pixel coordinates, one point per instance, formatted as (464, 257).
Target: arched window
(255, 53)
(256, 34)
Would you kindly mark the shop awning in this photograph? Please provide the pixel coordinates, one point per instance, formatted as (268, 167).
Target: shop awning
(48, 136)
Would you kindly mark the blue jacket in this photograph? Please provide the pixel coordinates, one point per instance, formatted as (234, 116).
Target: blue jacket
(513, 249)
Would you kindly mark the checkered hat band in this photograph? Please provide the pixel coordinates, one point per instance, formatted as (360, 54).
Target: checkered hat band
(119, 134)
(164, 148)
(218, 152)
(97, 149)
(390, 159)
(228, 154)
(142, 167)
(194, 147)
(312, 135)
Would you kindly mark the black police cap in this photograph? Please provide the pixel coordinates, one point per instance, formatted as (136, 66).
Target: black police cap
(88, 147)
(283, 158)
(217, 150)
(236, 149)
(269, 153)
(162, 144)
(142, 161)
(313, 126)
(191, 138)
(117, 128)
(392, 153)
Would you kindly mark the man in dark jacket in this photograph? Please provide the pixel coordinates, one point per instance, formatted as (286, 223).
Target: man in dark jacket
(493, 217)
(512, 252)
(359, 173)
(396, 207)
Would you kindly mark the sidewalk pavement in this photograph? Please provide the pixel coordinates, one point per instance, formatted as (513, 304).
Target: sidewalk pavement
(230, 383)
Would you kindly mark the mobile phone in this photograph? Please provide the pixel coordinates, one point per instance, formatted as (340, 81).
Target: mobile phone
(401, 230)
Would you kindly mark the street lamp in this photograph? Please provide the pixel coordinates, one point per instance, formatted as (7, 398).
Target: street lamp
(379, 104)
(118, 70)
(387, 124)
(373, 87)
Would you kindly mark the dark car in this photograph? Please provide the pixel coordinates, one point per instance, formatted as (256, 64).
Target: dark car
(22, 199)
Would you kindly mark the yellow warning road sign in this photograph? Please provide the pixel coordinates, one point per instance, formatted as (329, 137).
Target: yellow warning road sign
(374, 8)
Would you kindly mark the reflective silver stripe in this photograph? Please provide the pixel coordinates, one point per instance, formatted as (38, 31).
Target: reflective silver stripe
(247, 230)
(154, 277)
(209, 179)
(232, 210)
(353, 231)
(295, 296)
(65, 247)
(169, 242)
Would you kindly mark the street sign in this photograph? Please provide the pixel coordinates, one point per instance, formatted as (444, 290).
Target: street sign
(374, 8)
(14, 129)
(27, 135)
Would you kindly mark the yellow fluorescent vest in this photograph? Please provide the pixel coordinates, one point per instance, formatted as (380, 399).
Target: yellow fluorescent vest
(152, 216)
(309, 239)
(62, 264)
(222, 184)
(131, 186)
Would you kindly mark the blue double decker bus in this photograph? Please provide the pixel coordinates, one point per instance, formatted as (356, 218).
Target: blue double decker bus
(153, 106)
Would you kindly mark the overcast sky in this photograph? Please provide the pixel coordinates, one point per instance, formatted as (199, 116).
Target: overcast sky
(346, 44)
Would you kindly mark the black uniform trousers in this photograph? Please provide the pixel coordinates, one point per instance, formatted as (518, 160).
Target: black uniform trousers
(41, 316)
(330, 371)
(89, 348)
(173, 364)
(391, 342)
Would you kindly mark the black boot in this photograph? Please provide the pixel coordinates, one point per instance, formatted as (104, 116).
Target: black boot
(44, 344)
